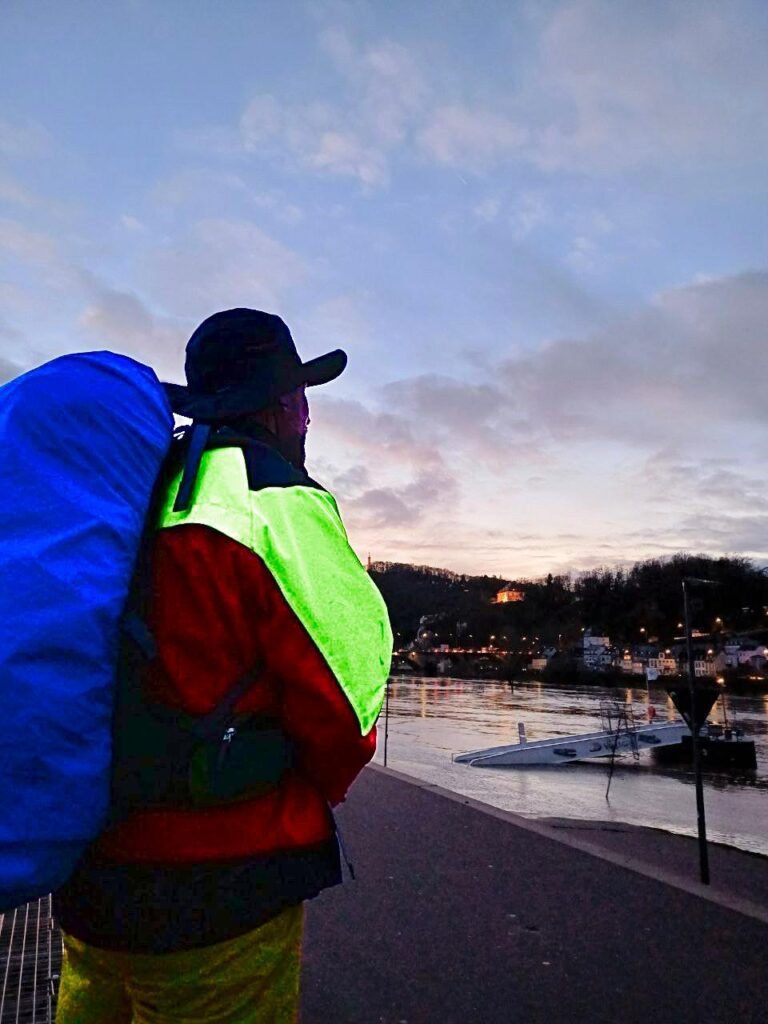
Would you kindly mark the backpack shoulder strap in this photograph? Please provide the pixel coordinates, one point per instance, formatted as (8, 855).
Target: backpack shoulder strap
(198, 441)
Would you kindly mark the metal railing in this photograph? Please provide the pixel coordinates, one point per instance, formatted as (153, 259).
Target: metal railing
(30, 961)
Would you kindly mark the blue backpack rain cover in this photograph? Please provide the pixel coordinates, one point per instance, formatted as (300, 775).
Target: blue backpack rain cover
(82, 440)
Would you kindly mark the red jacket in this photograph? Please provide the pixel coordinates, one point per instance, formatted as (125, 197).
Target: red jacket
(215, 612)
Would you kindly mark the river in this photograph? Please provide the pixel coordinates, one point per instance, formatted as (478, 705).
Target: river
(432, 718)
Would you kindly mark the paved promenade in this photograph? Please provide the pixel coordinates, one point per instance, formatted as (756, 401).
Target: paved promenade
(468, 915)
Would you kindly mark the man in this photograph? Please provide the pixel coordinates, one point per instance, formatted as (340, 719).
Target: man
(189, 906)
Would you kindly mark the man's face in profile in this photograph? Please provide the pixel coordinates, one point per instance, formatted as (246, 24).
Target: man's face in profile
(294, 420)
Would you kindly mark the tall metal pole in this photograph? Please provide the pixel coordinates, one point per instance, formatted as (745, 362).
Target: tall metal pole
(702, 824)
(386, 723)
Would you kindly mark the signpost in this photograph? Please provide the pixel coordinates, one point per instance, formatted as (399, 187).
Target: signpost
(386, 723)
(694, 725)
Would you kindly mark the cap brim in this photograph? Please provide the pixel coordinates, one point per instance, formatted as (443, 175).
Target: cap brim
(219, 407)
(324, 368)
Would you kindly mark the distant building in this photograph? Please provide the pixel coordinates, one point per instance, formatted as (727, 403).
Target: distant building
(543, 658)
(508, 593)
(747, 653)
(627, 663)
(664, 663)
(597, 652)
(704, 667)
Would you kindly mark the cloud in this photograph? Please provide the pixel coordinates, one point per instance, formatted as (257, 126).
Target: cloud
(23, 139)
(28, 245)
(121, 320)
(12, 191)
(209, 190)
(385, 507)
(222, 142)
(312, 136)
(380, 506)
(702, 483)
(621, 85)
(487, 209)
(383, 436)
(8, 370)
(132, 224)
(196, 186)
(379, 96)
(220, 264)
(475, 419)
(348, 155)
(594, 88)
(472, 139)
(387, 79)
(529, 211)
(351, 482)
(727, 534)
(690, 364)
(412, 479)
(610, 87)
(636, 420)
(12, 341)
(336, 322)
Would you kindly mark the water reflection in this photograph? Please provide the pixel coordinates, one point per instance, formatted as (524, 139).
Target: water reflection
(430, 719)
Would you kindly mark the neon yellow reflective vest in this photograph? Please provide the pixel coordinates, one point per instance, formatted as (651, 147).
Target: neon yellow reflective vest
(297, 532)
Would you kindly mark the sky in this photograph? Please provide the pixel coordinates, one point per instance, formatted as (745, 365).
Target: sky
(538, 228)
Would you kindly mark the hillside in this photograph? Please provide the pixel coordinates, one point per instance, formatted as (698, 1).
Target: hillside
(627, 604)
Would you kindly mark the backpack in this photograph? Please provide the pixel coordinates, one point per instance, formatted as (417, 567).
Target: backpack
(86, 444)
(82, 442)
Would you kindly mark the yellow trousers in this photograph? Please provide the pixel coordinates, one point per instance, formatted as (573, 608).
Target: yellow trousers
(252, 979)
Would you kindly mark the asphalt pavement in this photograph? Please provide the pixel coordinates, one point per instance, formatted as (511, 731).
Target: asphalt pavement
(464, 914)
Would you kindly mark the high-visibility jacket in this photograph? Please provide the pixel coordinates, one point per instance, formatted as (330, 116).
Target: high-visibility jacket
(257, 572)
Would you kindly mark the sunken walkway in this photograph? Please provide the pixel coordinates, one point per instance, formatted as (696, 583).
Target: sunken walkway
(464, 914)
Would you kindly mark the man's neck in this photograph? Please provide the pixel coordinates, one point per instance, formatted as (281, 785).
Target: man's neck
(257, 432)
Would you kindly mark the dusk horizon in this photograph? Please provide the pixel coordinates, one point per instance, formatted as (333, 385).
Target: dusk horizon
(538, 230)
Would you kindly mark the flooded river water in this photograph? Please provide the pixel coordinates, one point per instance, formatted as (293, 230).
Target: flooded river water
(430, 719)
